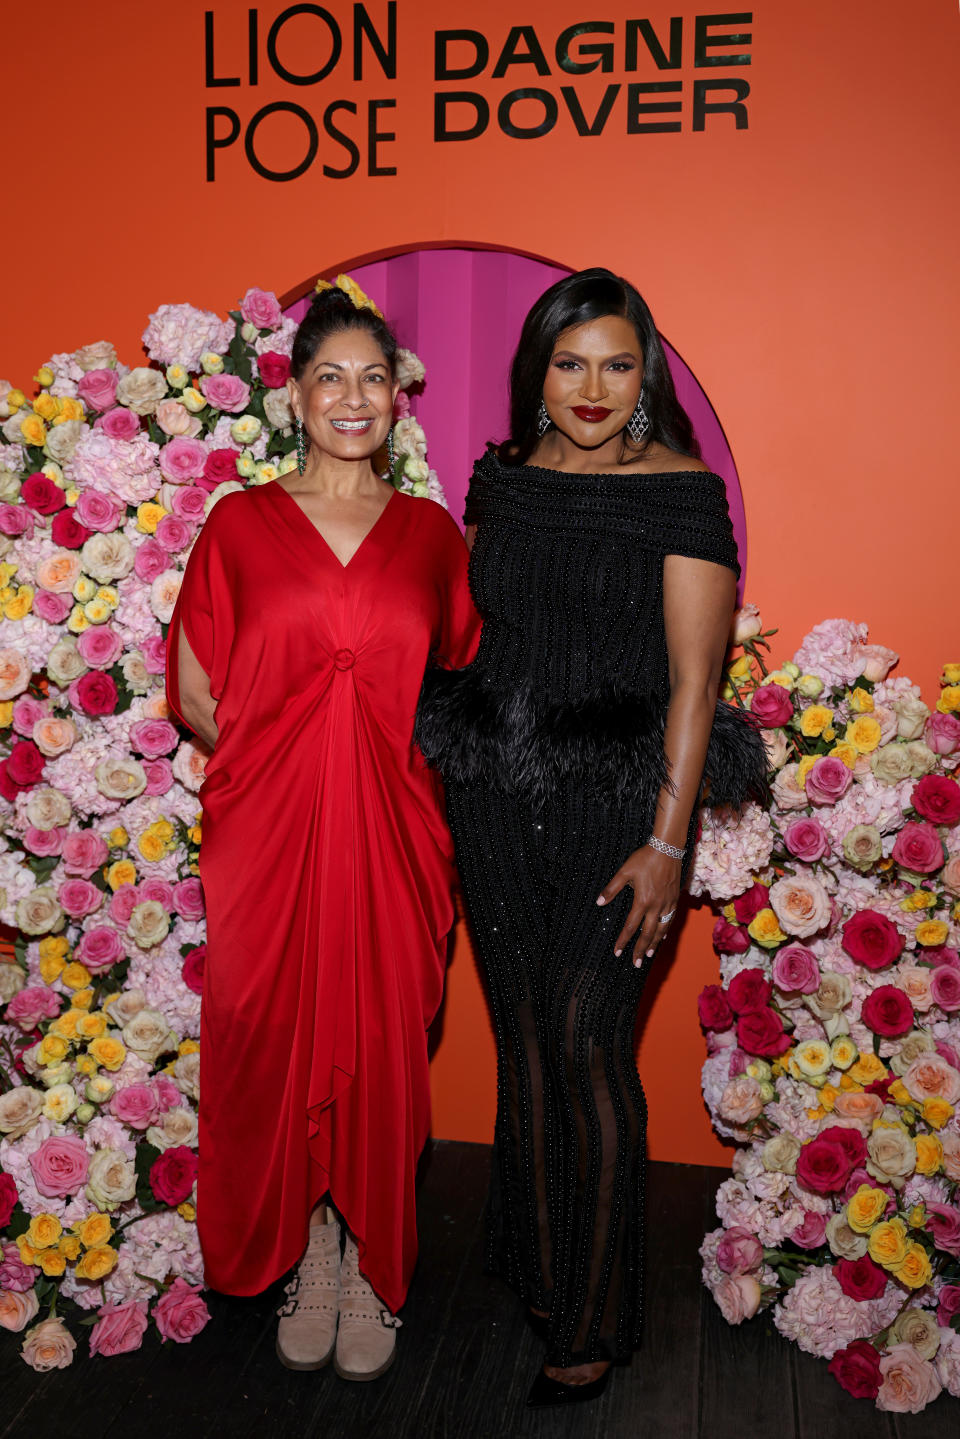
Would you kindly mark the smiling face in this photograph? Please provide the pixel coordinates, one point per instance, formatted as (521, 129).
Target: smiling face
(593, 380)
(345, 395)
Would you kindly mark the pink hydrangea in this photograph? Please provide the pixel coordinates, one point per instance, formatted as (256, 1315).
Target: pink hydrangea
(180, 334)
(730, 851)
(819, 1317)
(125, 469)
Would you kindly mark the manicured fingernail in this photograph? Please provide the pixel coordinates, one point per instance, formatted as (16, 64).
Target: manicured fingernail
(601, 900)
(636, 964)
(617, 953)
(649, 954)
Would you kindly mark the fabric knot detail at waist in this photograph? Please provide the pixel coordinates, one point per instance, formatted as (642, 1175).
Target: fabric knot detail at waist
(344, 659)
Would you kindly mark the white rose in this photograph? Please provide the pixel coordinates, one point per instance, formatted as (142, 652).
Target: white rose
(48, 808)
(135, 672)
(891, 763)
(60, 1103)
(127, 1006)
(164, 592)
(12, 980)
(112, 1178)
(407, 369)
(142, 390)
(415, 469)
(922, 758)
(10, 429)
(189, 764)
(277, 408)
(63, 440)
(246, 429)
(178, 1126)
(99, 356)
(409, 439)
(121, 777)
(227, 487)
(14, 673)
(9, 486)
(39, 912)
(148, 1034)
(65, 663)
(20, 1108)
(912, 714)
(108, 557)
(186, 1075)
(149, 925)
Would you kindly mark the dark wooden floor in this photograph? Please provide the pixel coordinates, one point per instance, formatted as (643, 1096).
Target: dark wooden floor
(466, 1357)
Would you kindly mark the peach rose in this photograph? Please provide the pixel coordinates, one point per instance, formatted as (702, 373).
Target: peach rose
(951, 874)
(914, 980)
(786, 791)
(747, 624)
(892, 1156)
(859, 1106)
(59, 572)
(741, 1100)
(175, 419)
(909, 1382)
(189, 764)
(801, 904)
(17, 1309)
(163, 594)
(738, 1297)
(930, 1076)
(49, 1346)
(14, 674)
(950, 1140)
(53, 736)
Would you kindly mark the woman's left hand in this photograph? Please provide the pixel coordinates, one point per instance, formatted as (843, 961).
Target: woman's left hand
(655, 881)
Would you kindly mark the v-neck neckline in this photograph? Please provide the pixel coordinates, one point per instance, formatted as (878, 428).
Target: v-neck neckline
(319, 534)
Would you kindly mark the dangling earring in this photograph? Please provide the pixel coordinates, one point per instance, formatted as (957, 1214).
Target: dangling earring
(543, 420)
(639, 422)
(301, 447)
(391, 451)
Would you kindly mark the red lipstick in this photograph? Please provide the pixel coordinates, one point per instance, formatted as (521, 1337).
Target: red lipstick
(592, 414)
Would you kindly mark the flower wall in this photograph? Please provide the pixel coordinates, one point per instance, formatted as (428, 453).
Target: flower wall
(106, 476)
(834, 1037)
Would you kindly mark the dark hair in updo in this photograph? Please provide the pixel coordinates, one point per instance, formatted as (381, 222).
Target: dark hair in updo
(574, 300)
(330, 312)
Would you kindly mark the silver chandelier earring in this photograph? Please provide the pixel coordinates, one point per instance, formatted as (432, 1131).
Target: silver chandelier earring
(301, 447)
(391, 451)
(543, 420)
(639, 422)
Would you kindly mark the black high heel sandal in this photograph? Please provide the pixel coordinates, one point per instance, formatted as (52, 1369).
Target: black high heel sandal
(545, 1391)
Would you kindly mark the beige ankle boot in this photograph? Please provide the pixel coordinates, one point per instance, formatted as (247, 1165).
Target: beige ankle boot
(308, 1320)
(367, 1336)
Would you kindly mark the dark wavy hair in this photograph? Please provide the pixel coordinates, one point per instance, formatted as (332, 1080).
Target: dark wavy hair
(330, 312)
(574, 300)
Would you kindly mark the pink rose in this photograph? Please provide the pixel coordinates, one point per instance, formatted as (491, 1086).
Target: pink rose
(945, 988)
(937, 799)
(713, 1008)
(67, 532)
(174, 534)
(150, 560)
(929, 1076)
(877, 660)
(860, 1279)
(123, 903)
(810, 1233)
(193, 966)
(99, 948)
(8, 1198)
(94, 694)
(174, 1174)
(948, 1304)
(159, 890)
(31, 1005)
(153, 738)
(795, 970)
(749, 990)
(120, 1328)
(806, 839)
(221, 465)
(801, 904)
(943, 1221)
(909, 1382)
(918, 848)
(748, 905)
(772, 705)
(100, 647)
(43, 843)
(98, 389)
(729, 938)
(828, 780)
(189, 503)
(274, 369)
(97, 511)
(16, 520)
(225, 392)
(83, 851)
(188, 899)
(872, 940)
(941, 732)
(175, 419)
(168, 1095)
(154, 651)
(180, 1313)
(183, 459)
(857, 1369)
(887, 1011)
(760, 1032)
(42, 495)
(136, 1105)
(14, 1274)
(53, 608)
(261, 308)
(26, 713)
(48, 1345)
(159, 774)
(739, 1251)
(119, 424)
(60, 1166)
(17, 1308)
(738, 1296)
(747, 624)
(78, 898)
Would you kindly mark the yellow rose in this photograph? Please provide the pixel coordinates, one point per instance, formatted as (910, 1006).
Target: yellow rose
(110, 595)
(52, 1049)
(97, 1262)
(52, 1263)
(860, 700)
(44, 376)
(91, 1026)
(193, 400)
(949, 697)
(84, 589)
(811, 1058)
(69, 1247)
(47, 407)
(919, 899)
(97, 611)
(6, 714)
(21, 604)
(843, 1052)
(351, 288)
(188, 1046)
(108, 1052)
(863, 733)
(54, 945)
(741, 668)
(195, 834)
(917, 1217)
(932, 931)
(94, 1231)
(950, 676)
(888, 1244)
(865, 1208)
(33, 430)
(783, 678)
(815, 720)
(16, 400)
(70, 409)
(75, 975)
(149, 515)
(86, 1066)
(828, 1098)
(765, 929)
(151, 846)
(929, 1153)
(187, 1211)
(83, 998)
(50, 968)
(868, 1069)
(77, 621)
(118, 838)
(122, 871)
(28, 1255)
(804, 766)
(43, 1231)
(845, 752)
(60, 1103)
(914, 1270)
(937, 1112)
(899, 1092)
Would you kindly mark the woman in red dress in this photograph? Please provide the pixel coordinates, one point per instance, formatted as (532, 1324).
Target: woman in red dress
(308, 612)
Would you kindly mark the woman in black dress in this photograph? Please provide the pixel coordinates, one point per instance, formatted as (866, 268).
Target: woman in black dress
(576, 749)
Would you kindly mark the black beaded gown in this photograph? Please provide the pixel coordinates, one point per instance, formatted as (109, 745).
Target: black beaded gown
(551, 746)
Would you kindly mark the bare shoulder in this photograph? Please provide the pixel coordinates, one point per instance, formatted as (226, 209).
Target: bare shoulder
(660, 459)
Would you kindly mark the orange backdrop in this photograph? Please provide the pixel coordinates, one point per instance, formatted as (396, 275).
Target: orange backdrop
(804, 266)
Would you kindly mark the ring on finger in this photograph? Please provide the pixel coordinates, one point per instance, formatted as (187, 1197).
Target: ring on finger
(666, 918)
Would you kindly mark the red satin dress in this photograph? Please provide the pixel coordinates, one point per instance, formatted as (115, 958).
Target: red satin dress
(327, 868)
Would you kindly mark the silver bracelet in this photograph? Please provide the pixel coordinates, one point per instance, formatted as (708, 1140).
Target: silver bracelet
(661, 846)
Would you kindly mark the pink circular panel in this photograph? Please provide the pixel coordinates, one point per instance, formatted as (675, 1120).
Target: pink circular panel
(461, 311)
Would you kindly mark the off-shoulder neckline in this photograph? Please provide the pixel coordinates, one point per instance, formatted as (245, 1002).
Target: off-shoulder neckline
(597, 474)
